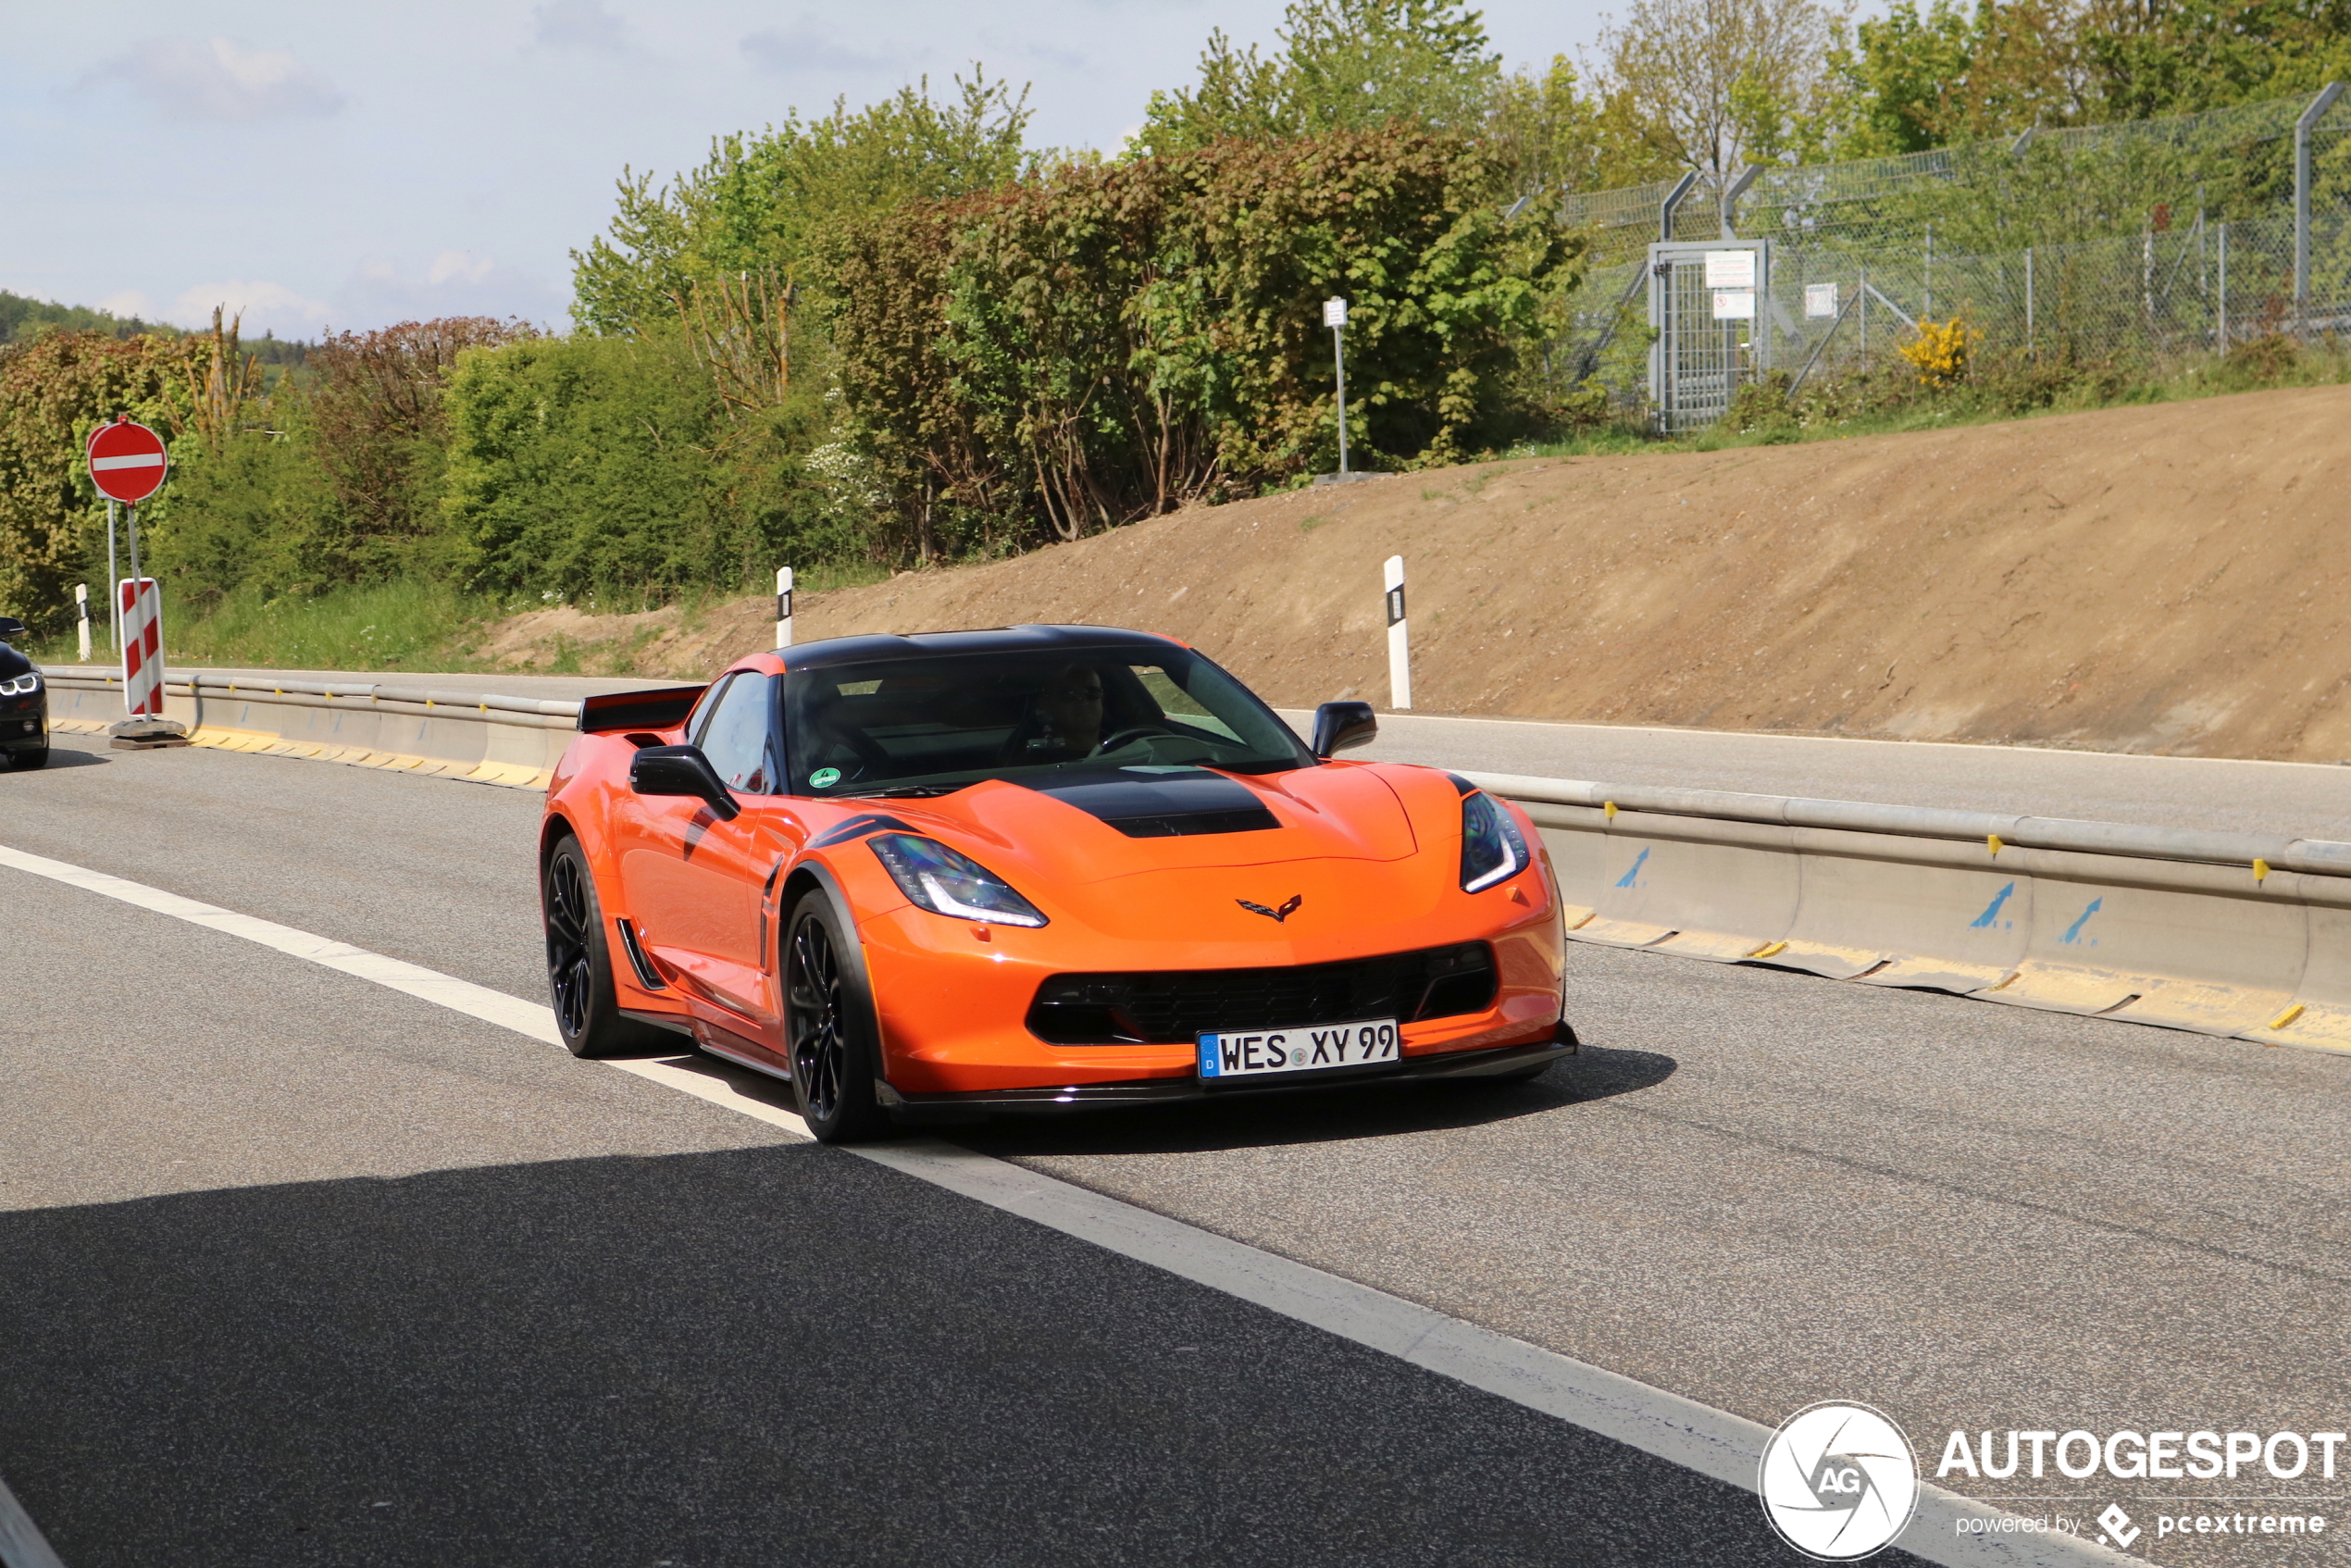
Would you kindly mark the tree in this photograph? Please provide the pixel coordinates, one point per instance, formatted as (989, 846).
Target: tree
(1554, 136)
(1344, 65)
(1716, 84)
(1953, 73)
(53, 390)
(767, 204)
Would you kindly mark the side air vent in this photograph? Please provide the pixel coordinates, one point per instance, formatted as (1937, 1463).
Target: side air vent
(647, 976)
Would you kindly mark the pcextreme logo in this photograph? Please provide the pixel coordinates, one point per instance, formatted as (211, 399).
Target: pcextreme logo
(1838, 1481)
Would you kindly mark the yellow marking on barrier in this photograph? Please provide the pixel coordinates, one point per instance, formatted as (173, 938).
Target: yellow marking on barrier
(2260, 870)
(1992, 843)
(2288, 1017)
(1768, 949)
(2009, 981)
(1610, 808)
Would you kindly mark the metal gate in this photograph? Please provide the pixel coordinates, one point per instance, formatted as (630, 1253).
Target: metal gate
(1709, 305)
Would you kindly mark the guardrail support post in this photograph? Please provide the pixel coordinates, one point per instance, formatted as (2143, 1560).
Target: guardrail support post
(783, 606)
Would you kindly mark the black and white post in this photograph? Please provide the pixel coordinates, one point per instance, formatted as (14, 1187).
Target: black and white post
(783, 606)
(1334, 318)
(1399, 650)
(82, 618)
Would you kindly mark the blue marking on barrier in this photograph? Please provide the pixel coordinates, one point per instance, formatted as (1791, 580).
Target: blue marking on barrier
(1992, 911)
(1627, 881)
(2073, 932)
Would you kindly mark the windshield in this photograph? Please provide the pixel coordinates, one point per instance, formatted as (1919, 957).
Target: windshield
(928, 726)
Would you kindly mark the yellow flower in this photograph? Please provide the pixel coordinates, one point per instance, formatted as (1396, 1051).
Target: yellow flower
(1941, 352)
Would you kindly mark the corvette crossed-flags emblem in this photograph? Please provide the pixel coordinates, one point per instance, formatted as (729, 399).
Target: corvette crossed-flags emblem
(1276, 915)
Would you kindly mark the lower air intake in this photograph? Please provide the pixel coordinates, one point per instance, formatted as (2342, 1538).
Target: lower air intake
(1171, 1006)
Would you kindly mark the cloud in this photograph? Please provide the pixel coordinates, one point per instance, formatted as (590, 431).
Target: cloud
(454, 283)
(220, 78)
(803, 47)
(266, 307)
(580, 24)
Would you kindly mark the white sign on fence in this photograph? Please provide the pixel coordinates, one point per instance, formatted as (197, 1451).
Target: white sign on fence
(1730, 269)
(1735, 304)
(1820, 299)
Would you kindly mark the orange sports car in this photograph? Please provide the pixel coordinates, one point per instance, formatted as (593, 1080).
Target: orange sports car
(1041, 867)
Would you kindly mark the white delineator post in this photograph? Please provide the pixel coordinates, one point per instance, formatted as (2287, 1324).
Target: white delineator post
(1334, 318)
(82, 618)
(783, 606)
(1400, 650)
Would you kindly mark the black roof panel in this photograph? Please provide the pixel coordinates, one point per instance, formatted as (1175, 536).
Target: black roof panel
(873, 649)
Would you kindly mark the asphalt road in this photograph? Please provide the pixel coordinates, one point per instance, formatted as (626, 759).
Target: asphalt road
(294, 1269)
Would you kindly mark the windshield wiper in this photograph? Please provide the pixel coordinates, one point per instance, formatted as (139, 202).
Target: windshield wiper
(897, 791)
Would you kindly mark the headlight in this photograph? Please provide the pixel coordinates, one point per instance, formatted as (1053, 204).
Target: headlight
(21, 686)
(946, 883)
(1492, 847)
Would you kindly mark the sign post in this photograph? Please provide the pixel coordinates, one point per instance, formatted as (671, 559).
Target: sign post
(783, 606)
(128, 463)
(1334, 318)
(1400, 650)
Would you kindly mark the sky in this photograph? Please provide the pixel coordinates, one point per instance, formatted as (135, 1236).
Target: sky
(346, 166)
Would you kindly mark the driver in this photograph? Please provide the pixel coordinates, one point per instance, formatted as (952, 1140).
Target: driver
(1071, 707)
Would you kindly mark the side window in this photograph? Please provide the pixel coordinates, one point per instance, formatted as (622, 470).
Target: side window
(735, 736)
(698, 722)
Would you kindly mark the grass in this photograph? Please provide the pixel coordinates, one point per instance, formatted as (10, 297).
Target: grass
(2257, 367)
(407, 624)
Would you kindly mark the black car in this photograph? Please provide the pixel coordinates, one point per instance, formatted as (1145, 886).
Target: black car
(24, 703)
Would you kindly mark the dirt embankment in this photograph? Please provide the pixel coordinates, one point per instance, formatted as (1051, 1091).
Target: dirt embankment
(2170, 578)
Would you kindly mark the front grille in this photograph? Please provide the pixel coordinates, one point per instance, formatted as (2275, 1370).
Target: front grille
(1169, 1007)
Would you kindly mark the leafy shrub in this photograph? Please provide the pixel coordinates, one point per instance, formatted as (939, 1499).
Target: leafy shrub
(1940, 350)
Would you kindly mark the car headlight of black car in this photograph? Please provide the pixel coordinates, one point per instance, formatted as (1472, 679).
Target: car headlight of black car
(25, 685)
(1492, 847)
(946, 883)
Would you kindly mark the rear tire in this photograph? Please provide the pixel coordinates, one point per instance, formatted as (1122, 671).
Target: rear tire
(30, 758)
(829, 1023)
(579, 964)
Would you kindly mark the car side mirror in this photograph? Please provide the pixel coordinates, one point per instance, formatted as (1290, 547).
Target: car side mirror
(1342, 727)
(11, 629)
(682, 770)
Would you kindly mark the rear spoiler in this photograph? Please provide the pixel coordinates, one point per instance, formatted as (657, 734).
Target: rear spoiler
(664, 708)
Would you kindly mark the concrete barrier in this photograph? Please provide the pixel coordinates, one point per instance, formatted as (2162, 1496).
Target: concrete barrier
(510, 740)
(2226, 934)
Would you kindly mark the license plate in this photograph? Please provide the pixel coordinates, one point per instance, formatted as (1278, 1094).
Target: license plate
(1237, 1053)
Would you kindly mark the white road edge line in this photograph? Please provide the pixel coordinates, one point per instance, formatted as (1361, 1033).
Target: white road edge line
(21, 1545)
(1714, 1443)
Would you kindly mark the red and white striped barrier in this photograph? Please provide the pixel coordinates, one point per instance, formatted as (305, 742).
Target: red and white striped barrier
(141, 600)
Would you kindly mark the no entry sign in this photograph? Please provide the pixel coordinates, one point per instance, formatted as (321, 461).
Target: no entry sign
(127, 462)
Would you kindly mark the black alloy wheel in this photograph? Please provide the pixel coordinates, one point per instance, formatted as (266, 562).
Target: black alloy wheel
(831, 1026)
(579, 964)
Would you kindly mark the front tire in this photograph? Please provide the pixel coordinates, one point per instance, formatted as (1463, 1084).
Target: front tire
(828, 1021)
(579, 964)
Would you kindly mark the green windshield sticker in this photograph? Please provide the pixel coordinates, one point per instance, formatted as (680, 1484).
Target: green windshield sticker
(823, 778)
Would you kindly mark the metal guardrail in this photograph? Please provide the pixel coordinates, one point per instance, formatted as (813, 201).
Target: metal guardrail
(255, 689)
(2324, 857)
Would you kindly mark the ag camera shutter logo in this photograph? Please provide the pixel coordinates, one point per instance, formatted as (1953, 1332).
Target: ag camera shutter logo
(1838, 1481)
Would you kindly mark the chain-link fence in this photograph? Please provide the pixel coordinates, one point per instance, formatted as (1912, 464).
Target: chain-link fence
(2125, 245)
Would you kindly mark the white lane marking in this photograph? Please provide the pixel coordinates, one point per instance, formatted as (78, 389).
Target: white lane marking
(1714, 1443)
(21, 1543)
